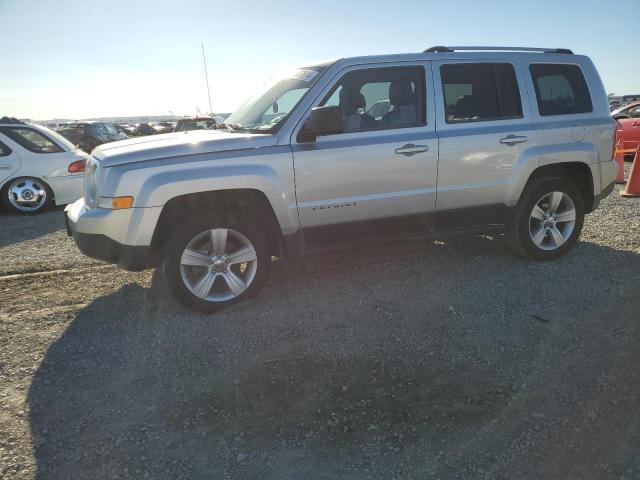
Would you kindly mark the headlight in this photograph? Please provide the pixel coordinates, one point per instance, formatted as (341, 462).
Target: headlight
(90, 195)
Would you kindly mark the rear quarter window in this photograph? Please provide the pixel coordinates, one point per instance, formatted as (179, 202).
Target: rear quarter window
(4, 150)
(560, 89)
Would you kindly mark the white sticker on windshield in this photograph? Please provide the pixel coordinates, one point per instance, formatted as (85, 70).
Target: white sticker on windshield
(305, 75)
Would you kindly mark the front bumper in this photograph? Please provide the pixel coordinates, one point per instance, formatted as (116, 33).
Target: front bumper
(87, 227)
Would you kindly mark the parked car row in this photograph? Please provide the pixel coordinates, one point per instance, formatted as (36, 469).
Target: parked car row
(89, 134)
(42, 166)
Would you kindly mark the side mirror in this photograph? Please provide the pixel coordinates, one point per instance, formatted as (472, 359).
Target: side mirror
(323, 121)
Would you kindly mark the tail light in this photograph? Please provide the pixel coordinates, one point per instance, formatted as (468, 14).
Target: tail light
(77, 166)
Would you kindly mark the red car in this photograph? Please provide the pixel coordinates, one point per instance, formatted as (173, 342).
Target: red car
(628, 128)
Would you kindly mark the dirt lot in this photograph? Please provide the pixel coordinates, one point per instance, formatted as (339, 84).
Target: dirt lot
(448, 359)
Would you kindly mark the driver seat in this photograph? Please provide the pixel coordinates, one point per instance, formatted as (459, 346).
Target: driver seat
(350, 102)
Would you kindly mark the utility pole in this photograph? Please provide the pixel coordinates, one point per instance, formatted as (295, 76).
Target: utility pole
(206, 76)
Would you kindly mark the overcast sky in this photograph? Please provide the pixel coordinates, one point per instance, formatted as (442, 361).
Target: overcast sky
(78, 59)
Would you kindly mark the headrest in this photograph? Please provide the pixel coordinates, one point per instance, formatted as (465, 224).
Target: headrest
(400, 93)
(351, 101)
(466, 107)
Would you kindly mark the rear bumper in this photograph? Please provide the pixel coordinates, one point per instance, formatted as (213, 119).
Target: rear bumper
(606, 191)
(608, 174)
(101, 246)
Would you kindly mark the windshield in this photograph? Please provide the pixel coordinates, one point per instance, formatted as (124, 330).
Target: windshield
(266, 110)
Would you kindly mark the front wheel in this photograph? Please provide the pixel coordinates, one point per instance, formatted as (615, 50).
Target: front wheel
(209, 266)
(547, 221)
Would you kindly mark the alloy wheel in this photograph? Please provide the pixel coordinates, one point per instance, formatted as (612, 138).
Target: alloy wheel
(552, 220)
(27, 194)
(218, 265)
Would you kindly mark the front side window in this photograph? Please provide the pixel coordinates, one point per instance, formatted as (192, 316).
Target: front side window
(560, 89)
(480, 92)
(31, 139)
(380, 98)
(266, 111)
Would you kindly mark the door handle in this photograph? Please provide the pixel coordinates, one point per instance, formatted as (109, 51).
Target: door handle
(410, 149)
(635, 124)
(512, 140)
(5, 167)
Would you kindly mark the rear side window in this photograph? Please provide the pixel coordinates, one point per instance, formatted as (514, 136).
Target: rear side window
(560, 89)
(476, 92)
(31, 139)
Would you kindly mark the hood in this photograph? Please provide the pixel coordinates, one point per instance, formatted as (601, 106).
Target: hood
(176, 145)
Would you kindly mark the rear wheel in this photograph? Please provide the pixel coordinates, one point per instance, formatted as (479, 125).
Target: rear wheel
(548, 219)
(27, 195)
(211, 265)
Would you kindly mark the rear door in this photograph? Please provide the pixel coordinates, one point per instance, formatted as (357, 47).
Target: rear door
(9, 162)
(486, 138)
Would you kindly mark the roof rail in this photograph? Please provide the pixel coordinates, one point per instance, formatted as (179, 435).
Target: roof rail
(441, 49)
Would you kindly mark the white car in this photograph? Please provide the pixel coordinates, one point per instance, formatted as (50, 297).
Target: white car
(38, 167)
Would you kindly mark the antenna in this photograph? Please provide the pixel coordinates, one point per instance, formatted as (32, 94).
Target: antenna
(206, 76)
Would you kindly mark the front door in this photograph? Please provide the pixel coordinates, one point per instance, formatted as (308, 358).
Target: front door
(378, 177)
(486, 138)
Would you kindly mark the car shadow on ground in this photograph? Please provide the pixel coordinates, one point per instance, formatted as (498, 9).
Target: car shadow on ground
(443, 360)
(28, 227)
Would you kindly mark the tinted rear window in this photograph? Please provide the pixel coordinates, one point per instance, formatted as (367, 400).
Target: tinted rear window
(476, 92)
(560, 89)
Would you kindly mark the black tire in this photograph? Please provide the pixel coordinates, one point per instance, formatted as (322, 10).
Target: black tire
(517, 235)
(44, 207)
(180, 238)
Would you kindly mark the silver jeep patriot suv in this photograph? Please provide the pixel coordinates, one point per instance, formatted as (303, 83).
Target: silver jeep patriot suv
(358, 150)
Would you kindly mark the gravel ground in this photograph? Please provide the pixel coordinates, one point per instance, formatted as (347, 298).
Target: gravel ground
(442, 359)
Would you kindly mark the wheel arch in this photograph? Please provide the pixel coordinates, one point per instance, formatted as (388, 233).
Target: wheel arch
(577, 173)
(188, 207)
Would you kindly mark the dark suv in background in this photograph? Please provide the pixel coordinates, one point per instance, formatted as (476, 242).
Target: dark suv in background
(194, 123)
(88, 135)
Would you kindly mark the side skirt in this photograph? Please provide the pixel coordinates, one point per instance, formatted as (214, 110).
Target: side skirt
(482, 219)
